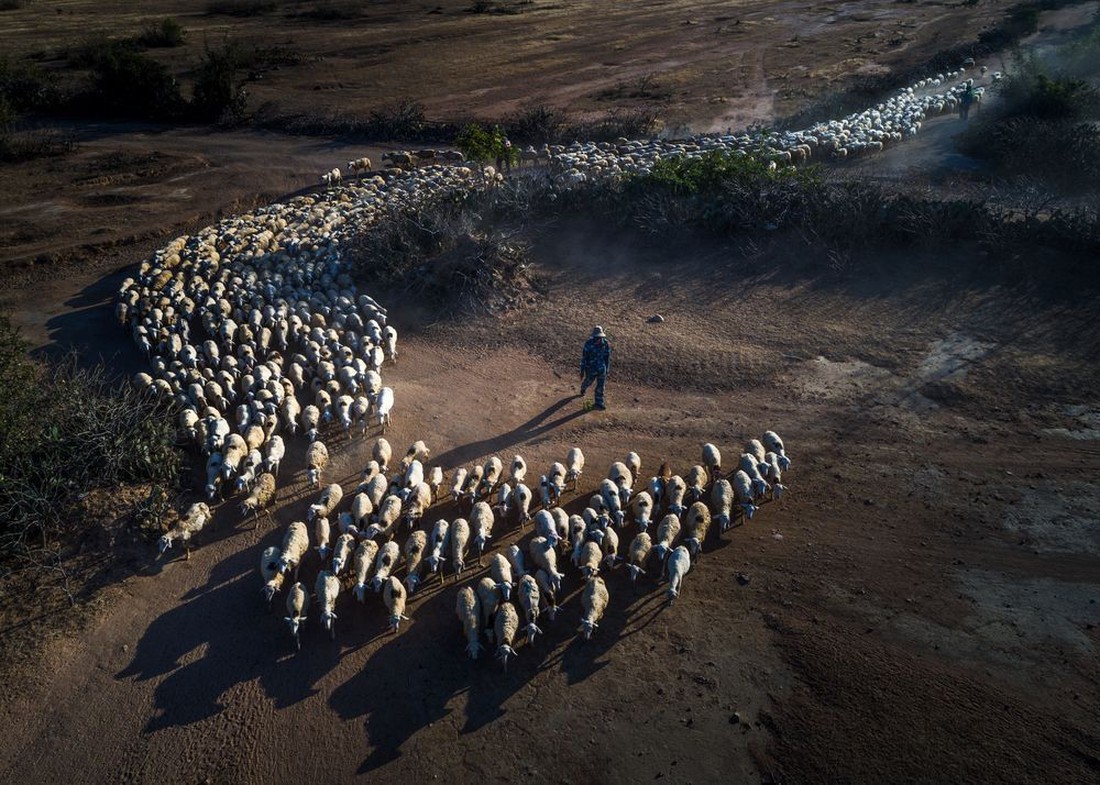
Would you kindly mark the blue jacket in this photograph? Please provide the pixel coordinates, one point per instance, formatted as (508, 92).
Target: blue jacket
(596, 357)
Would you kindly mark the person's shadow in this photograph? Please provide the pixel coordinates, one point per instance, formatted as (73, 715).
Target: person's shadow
(536, 426)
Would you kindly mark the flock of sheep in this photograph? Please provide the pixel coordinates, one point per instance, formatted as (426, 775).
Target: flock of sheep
(255, 329)
(357, 547)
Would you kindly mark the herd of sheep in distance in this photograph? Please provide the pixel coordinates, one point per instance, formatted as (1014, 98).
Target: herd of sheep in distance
(255, 329)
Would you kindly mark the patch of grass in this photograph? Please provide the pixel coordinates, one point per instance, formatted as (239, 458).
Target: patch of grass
(13, 5)
(166, 33)
(329, 11)
(27, 87)
(32, 143)
(240, 8)
(219, 94)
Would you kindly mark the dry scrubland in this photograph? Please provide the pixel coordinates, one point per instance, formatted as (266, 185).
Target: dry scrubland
(923, 604)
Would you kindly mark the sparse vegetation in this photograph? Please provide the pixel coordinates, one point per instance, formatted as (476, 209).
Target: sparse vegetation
(240, 7)
(219, 93)
(64, 432)
(168, 32)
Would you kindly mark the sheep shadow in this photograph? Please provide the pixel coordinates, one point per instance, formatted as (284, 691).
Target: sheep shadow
(536, 426)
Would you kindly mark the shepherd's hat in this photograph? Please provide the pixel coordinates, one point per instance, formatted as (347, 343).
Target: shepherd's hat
(597, 332)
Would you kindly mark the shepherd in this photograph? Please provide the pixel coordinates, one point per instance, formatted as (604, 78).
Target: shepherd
(595, 363)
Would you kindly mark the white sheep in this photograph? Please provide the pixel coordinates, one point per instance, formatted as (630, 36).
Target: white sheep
(460, 535)
(438, 541)
(775, 444)
(491, 475)
(332, 177)
(519, 469)
(276, 450)
(417, 502)
(214, 476)
(507, 625)
(393, 594)
(468, 610)
(311, 422)
(269, 571)
(488, 600)
(529, 601)
(385, 563)
(481, 524)
(555, 481)
(249, 469)
(637, 554)
(712, 459)
(358, 517)
(755, 448)
(610, 546)
(297, 603)
(594, 600)
(435, 479)
(633, 462)
(261, 497)
(365, 554)
(547, 593)
(389, 517)
(545, 558)
(381, 453)
(383, 408)
(326, 503)
(667, 531)
(678, 565)
(743, 493)
(521, 504)
(623, 479)
(415, 547)
(322, 534)
(501, 572)
(696, 526)
(389, 342)
(234, 450)
(696, 480)
(458, 482)
(590, 557)
(674, 491)
(295, 545)
(750, 467)
(316, 461)
(641, 507)
(418, 451)
(503, 507)
(515, 558)
(721, 502)
(545, 526)
(775, 475)
(192, 522)
(326, 591)
(360, 165)
(345, 546)
(574, 466)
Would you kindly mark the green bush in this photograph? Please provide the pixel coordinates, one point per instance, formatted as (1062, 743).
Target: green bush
(168, 32)
(219, 93)
(26, 87)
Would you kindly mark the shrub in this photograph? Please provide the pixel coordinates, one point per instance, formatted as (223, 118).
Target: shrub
(219, 93)
(240, 7)
(400, 122)
(26, 87)
(31, 143)
(168, 32)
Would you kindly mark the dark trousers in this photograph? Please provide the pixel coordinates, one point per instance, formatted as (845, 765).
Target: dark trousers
(599, 377)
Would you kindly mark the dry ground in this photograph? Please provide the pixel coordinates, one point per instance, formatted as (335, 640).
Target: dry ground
(923, 606)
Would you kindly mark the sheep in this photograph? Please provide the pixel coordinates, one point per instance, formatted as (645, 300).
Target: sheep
(357, 519)
(481, 524)
(331, 178)
(696, 526)
(529, 601)
(363, 559)
(460, 535)
(394, 596)
(414, 554)
(213, 476)
(345, 546)
(507, 625)
(458, 482)
(360, 165)
(327, 503)
(297, 602)
(590, 558)
(515, 558)
(750, 467)
(311, 422)
(633, 462)
(637, 554)
(641, 507)
(623, 479)
(756, 449)
(721, 501)
(389, 342)
(678, 565)
(610, 546)
(491, 474)
(234, 451)
(546, 527)
(322, 533)
(316, 461)
(519, 503)
(383, 407)
(389, 516)
(468, 610)
(712, 459)
(384, 564)
(196, 517)
(555, 480)
(612, 503)
(696, 481)
(473, 485)
(326, 591)
(269, 571)
(594, 601)
(574, 462)
(295, 545)
(261, 497)
(489, 600)
(743, 493)
(435, 479)
(501, 572)
(547, 593)
(418, 502)
(667, 531)
(375, 490)
(381, 453)
(775, 475)
(675, 489)
(519, 469)
(545, 558)
(418, 451)
(275, 452)
(775, 444)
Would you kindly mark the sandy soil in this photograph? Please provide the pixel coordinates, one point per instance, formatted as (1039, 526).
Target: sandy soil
(922, 606)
